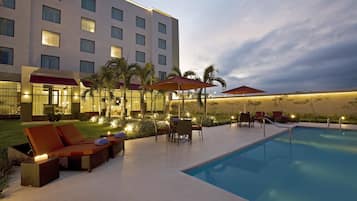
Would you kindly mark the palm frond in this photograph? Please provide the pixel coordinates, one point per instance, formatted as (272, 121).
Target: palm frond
(208, 73)
(220, 80)
(189, 73)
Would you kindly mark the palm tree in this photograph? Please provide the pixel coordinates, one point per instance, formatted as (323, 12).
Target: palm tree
(145, 75)
(176, 71)
(107, 76)
(208, 77)
(97, 85)
(124, 72)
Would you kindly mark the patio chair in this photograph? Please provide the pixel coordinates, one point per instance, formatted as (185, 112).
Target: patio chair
(184, 130)
(45, 140)
(279, 117)
(70, 135)
(161, 128)
(173, 126)
(259, 116)
(244, 118)
(198, 127)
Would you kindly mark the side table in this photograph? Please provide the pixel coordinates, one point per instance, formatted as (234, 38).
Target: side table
(39, 173)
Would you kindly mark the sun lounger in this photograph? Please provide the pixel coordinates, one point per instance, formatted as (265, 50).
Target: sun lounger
(72, 136)
(279, 117)
(45, 140)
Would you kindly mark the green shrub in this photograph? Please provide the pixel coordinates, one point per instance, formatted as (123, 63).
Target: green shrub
(207, 122)
(4, 168)
(139, 128)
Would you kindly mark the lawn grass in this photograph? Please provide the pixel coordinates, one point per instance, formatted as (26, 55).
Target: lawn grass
(11, 131)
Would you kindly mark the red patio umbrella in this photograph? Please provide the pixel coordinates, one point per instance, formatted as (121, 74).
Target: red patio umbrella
(243, 90)
(178, 83)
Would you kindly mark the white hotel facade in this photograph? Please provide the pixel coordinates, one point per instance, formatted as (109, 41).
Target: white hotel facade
(48, 46)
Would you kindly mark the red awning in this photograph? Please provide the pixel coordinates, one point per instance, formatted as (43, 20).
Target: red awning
(87, 83)
(52, 80)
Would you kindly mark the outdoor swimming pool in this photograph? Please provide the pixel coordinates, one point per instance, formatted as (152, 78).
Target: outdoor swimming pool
(319, 164)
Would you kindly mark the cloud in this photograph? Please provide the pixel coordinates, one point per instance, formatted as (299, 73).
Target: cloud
(315, 53)
(274, 45)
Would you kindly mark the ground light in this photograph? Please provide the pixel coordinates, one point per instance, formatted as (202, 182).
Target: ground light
(129, 128)
(101, 120)
(114, 123)
(93, 119)
(188, 114)
(342, 118)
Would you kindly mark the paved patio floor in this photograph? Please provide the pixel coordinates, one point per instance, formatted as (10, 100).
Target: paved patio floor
(149, 171)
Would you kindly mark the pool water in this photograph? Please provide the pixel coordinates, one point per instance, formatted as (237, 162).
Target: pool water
(318, 164)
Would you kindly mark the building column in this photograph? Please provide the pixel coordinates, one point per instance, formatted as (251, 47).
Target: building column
(76, 106)
(26, 93)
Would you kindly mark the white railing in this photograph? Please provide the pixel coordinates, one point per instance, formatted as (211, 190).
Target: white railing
(290, 128)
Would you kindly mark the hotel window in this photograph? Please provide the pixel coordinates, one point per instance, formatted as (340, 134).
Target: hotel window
(51, 14)
(115, 52)
(162, 75)
(86, 67)
(7, 27)
(6, 56)
(140, 56)
(162, 59)
(89, 5)
(162, 44)
(50, 39)
(87, 46)
(140, 22)
(140, 39)
(7, 4)
(117, 33)
(162, 28)
(117, 14)
(87, 25)
(50, 62)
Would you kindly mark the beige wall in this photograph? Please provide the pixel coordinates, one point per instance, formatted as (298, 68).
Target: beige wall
(324, 104)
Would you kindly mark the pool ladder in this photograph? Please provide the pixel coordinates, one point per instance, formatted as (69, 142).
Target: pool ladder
(290, 128)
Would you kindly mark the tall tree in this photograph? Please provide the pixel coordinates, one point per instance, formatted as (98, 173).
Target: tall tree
(97, 85)
(145, 74)
(208, 77)
(123, 72)
(109, 82)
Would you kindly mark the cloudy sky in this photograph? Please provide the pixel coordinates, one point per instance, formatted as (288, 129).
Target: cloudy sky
(274, 45)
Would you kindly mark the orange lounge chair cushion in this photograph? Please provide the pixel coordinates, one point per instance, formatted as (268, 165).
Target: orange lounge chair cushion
(78, 150)
(43, 139)
(71, 135)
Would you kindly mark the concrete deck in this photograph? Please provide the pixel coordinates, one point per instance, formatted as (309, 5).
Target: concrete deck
(149, 171)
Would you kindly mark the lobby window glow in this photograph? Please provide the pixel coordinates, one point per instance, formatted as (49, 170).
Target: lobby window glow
(50, 39)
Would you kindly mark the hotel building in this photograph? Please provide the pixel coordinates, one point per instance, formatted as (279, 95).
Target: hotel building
(48, 46)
